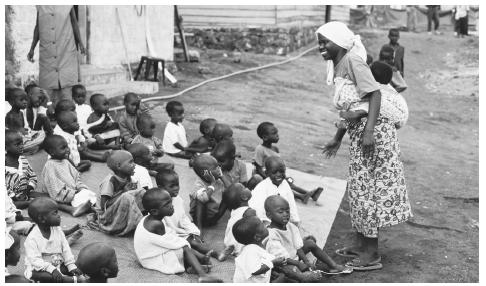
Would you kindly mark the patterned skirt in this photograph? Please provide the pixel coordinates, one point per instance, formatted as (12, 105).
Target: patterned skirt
(376, 186)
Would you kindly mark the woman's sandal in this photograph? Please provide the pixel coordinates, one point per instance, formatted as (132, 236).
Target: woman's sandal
(373, 265)
(345, 252)
(346, 270)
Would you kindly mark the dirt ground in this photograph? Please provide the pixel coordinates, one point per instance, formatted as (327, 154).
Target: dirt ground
(439, 144)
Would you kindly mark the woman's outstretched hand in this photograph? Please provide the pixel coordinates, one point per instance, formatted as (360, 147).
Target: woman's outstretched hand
(368, 143)
(331, 148)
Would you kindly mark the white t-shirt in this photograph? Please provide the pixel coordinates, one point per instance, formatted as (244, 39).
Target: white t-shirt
(142, 177)
(83, 111)
(284, 243)
(229, 239)
(174, 133)
(72, 144)
(249, 261)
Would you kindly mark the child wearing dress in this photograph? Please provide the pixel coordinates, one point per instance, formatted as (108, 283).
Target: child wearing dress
(236, 198)
(61, 180)
(206, 206)
(146, 125)
(175, 139)
(274, 184)
(222, 132)
(48, 257)
(269, 134)
(83, 110)
(168, 180)
(100, 124)
(284, 240)
(158, 247)
(98, 261)
(128, 119)
(120, 202)
(254, 264)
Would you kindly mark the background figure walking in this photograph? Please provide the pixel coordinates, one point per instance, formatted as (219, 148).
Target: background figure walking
(411, 18)
(433, 15)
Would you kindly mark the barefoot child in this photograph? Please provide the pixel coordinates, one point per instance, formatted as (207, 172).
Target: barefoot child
(141, 175)
(168, 180)
(205, 143)
(269, 134)
(120, 199)
(236, 197)
(146, 125)
(98, 261)
(387, 55)
(158, 247)
(100, 124)
(274, 184)
(36, 113)
(61, 180)
(82, 109)
(254, 264)
(175, 139)
(284, 240)
(128, 119)
(398, 50)
(48, 257)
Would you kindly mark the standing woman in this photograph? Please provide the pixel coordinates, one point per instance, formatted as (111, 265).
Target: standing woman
(57, 31)
(376, 184)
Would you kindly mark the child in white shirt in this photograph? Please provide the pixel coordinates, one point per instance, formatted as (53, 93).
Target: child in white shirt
(83, 110)
(175, 140)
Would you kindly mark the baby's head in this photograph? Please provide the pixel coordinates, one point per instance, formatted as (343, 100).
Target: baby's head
(277, 210)
(382, 72)
(268, 132)
(17, 98)
(14, 143)
(158, 203)
(99, 103)
(236, 196)
(141, 154)
(393, 35)
(44, 211)
(169, 181)
(131, 102)
(202, 164)
(222, 132)
(249, 230)
(36, 95)
(121, 163)
(64, 105)
(145, 125)
(56, 146)
(68, 121)
(98, 260)
(175, 110)
(225, 153)
(78, 92)
(387, 54)
(12, 248)
(207, 126)
(275, 169)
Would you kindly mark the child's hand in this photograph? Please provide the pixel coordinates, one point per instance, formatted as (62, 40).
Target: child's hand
(217, 173)
(76, 272)
(331, 148)
(303, 266)
(58, 277)
(309, 265)
(158, 153)
(279, 261)
(30, 56)
(209, 177)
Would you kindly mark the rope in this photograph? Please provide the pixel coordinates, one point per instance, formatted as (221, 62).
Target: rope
(163, 97)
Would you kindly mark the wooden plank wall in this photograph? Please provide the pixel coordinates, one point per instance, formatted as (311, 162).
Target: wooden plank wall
(207, 16)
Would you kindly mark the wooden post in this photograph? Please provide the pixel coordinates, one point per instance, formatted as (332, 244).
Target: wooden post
(328, 13)
(178, 21)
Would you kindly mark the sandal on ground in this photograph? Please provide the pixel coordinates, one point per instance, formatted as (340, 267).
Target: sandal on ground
(357, 266)
(345, 252)
(346, 270)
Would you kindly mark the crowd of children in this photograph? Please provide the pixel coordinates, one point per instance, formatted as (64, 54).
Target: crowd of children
(263, 230)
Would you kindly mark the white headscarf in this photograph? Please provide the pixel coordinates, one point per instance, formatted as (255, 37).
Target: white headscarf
(342, 36)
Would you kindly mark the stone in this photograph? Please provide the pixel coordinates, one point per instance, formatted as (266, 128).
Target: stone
(203, 70)
(194, 56)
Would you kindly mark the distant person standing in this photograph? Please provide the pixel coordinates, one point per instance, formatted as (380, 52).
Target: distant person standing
(398, 51)
(411, 18)
(433, 15)
(57, 31)
(461, 18)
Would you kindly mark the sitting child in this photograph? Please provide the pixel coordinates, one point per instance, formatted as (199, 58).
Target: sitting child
(14, 219)
(175, 140)
(36, 113)
(284, 240)
(157, 245)
(236, 198)
(143, 157)
(12, 256)
(61, 180)
(83, 110)
(20, 178)
(98, 261)
(387, 55)
(205, 199)
(120, 206)
(146, 126)
(14, 120)
(254, 264)
(269, 134)
(141, 175)
(274, 184)
(222, 132)
(128, 119)
(205, 143)
(48, 257)
(168, 180)
(234, 170)
(100, 124)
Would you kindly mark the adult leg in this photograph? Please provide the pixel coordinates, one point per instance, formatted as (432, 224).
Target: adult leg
(429, 19)
(370, 251)
(436, 18)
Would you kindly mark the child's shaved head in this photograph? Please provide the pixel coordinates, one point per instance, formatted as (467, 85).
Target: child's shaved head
(51, 141)
(207, 126)
(235, 194)
(245, 229)
(273, 201)
(222, 131)
(224, 149)
(137, 149)
(152, 197)
(273, 162)
(40, 206)
(98, 259)
(263, 128)
(64, 105)
(204, 162)
(117, 157)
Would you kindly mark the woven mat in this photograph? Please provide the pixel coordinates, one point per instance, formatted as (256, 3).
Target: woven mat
(316, 220)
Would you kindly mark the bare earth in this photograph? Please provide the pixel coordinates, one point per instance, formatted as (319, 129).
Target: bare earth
(439, 144)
